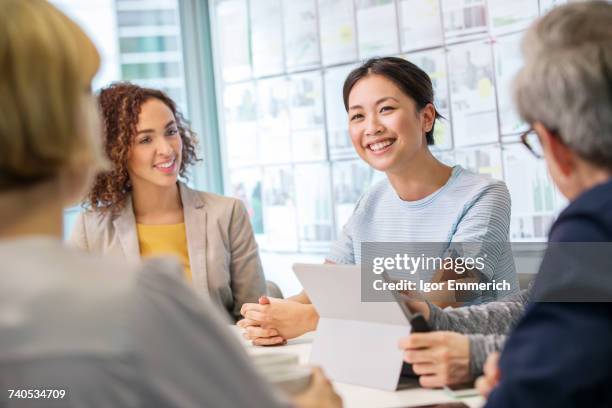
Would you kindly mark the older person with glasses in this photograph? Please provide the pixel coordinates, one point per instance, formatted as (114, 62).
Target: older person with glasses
(559, 352)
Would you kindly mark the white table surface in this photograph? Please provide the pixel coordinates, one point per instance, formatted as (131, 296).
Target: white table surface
(355, 396)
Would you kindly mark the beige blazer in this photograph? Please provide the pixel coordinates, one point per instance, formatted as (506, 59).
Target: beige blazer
(223, 254)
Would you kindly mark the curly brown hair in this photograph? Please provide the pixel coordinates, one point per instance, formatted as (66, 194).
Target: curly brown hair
(120, 105)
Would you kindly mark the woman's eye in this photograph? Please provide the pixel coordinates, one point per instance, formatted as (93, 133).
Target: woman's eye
(172, 132)
(144, 140)
(386, 108)
(357, 116)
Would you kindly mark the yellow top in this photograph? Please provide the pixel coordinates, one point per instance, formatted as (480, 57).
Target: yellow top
(171, 239)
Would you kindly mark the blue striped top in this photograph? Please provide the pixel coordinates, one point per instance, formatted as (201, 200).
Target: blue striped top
(470, 207)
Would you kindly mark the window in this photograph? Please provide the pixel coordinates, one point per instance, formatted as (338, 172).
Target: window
(138, 40)
(284, 127)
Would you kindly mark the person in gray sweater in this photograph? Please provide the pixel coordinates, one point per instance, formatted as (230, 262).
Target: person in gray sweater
(455, 352)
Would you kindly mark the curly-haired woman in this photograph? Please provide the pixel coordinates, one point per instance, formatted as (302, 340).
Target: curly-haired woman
(139, 208)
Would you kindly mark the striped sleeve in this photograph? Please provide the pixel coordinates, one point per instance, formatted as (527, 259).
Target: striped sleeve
(486, 220)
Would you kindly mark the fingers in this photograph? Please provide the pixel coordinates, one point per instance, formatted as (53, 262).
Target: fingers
(418, 306)
(405, 343)
(269, 341)
(257, 316)
(483, 386)
(432, 375)
(252, 307)
(264, 300)
(318, 376)
(480, 386)
(485, 383)
(252, 332)
(421, 340)
(424, 369)
(243, 308)
(490, 368)
(422, 356)
(431, 381)
(244, 323)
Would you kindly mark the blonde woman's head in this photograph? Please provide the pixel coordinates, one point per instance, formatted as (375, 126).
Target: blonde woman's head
(48, 122)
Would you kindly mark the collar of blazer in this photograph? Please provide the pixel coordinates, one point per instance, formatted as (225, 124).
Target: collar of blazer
(194, 217)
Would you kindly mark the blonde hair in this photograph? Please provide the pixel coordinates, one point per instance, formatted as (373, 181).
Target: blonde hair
(46, 120)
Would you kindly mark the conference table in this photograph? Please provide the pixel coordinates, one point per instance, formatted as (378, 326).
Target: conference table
(355, 396)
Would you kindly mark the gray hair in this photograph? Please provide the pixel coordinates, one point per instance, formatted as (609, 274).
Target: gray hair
(566, 82)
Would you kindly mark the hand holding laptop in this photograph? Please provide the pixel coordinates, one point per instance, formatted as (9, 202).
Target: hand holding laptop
(439, 358)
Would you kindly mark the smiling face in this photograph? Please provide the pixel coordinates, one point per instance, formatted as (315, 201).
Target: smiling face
(155, 154)
(386, 129)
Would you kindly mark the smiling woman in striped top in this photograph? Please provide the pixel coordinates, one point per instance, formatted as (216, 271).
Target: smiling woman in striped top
(391, 117)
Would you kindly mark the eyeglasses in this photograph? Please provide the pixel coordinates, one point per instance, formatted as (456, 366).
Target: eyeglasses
(532, 142)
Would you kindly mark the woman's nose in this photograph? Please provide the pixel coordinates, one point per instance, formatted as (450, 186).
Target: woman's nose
(374, 127)
(164, 147)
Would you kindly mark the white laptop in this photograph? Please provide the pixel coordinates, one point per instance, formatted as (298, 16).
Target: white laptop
(356, 342)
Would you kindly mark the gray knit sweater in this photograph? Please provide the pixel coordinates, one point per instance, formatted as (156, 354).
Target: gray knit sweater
(486, 325)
